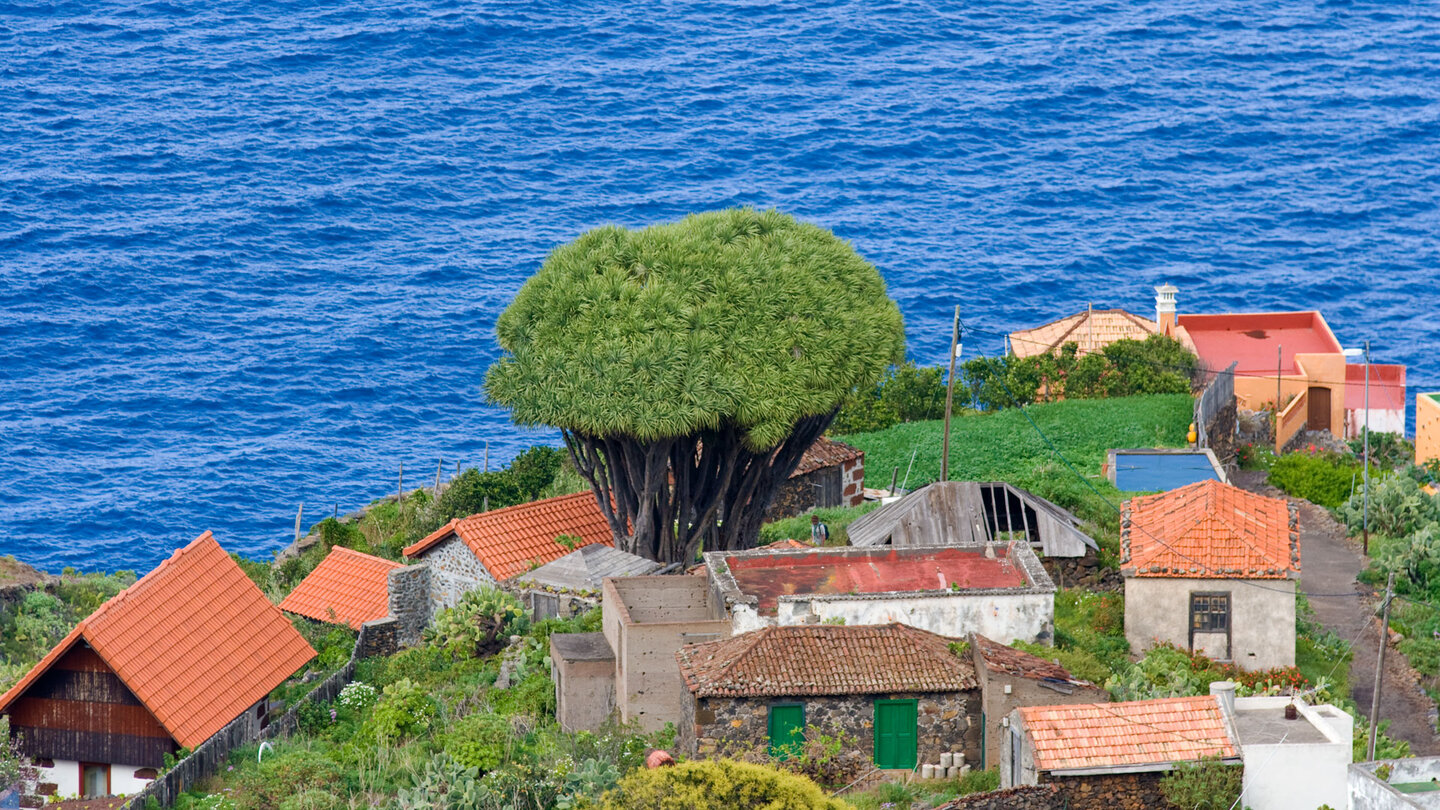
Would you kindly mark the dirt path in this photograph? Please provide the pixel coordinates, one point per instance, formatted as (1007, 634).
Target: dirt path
(1329, 564)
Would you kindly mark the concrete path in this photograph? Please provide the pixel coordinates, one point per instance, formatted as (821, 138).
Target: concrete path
(1329, 563)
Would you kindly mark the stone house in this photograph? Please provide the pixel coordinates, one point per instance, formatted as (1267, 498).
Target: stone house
(897, 695)
(570, 585)
(1091, 331)
(972, 513)
(829, 474)
(1011, 678)
(1211, 568)
(1112, 756)
(347, 587)
(644, 621)
(1000, 591)
(495, 546)
(163, 665)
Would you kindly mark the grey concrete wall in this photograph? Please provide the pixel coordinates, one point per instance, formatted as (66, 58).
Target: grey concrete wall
(1369, 792)
(1262, 619)
(584, 692)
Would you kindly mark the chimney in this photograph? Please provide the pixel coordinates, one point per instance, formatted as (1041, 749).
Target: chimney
(1225, 692)
(1165, 309)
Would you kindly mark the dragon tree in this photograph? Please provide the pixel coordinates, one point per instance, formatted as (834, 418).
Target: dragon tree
(689, 365)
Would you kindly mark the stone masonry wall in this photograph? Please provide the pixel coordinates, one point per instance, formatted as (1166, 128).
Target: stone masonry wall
(948, 722)
(1025, 797)
(1120, 791)
(852, 481)
(409, 589)
(454, 571)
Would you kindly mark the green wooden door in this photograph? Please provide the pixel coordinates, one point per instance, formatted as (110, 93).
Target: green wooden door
(896, 723)
(787, 729)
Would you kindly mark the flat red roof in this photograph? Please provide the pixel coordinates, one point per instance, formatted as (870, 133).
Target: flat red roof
(1251, 339)
(880, 570)
(1387, 387)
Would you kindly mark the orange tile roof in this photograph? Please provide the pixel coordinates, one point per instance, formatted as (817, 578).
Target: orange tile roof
(825, 660)
(1209, 530)
(1140, 732)
(1021, 664)
(825, 452)
(347, 587)
(517, 538)
(1092, 330)
(194, 640)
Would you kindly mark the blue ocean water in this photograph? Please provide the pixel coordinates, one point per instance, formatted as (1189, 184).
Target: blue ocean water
(251, 254)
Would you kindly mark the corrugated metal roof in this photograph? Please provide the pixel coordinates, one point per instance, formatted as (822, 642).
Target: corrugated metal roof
(582, 569)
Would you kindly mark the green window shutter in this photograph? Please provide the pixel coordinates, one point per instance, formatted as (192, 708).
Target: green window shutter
(896, 733)
(787, 729)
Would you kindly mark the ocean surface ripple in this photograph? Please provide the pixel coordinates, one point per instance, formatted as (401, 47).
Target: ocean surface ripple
(251, 254)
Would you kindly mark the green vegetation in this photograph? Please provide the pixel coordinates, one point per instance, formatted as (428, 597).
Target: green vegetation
(1210, 784)
(1325, 478)
(1004, 446)
(41, 618)
(720, 784)
(906, 393)
(686, 363)
(1156, 365)
(798, 528)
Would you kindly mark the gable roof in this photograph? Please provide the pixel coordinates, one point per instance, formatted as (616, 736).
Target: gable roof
(513, 540)
(347, 587)
(1021, 664)
(1135, 733)
(1092, 330)
(825, 452)
(195, 640)
(825, 660)
(584, 568)
(1209, 530)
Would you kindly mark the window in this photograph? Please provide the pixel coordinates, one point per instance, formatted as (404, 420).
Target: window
(94, 780)
(1209, 612)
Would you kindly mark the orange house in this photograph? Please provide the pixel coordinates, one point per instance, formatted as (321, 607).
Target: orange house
(1427, 427)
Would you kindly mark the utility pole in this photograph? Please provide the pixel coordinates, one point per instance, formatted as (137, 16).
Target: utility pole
(1366, 523)
(949, 399)
(487, 455)
(1380, 666)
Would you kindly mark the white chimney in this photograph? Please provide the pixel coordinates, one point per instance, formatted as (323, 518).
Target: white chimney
(1225, 691)
(1165, 308)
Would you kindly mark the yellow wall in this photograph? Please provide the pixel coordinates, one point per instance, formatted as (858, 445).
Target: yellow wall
(1427, 427)
(1315, 371)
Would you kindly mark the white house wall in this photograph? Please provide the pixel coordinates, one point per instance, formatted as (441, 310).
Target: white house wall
(1287, 775)
(1002, 617)
(65, 775)
(1262, 616)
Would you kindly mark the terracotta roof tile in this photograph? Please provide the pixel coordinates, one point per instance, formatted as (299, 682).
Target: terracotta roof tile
(1021, 664)
(1092, 330)
(1210, 530)
(825, 660)
(517, 538)
(1141, 732)
(825, 452)
(195, 640)
(347, 587)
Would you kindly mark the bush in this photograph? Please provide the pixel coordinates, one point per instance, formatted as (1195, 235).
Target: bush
(1326, 479)
(1209, 784)
(480, 740)
(480, 624)
(1156, 365)
(283, 775)
(718, 785)
(1398, 507)
(907, 393)
(404, 710)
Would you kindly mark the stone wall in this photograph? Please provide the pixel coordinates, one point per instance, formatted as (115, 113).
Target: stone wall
(1119, 791)
(1027, 797)
(802, 493)
(948, 722)
(410, 601)
(454, 571)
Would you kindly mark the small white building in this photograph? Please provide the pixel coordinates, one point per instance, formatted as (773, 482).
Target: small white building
(1211, 568)
(1395, 784)
(999, 591)
(1295, 755)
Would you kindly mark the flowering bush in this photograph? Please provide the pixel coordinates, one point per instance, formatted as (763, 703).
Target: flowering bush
(357, 696)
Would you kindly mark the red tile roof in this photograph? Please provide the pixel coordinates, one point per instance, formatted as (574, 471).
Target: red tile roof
(823, 453)
(1141, 732)
(1091, 331)
(1021, 664)
(194, 640)
(825, 660)
(1209, 530)
(515, 539)
(347, 587)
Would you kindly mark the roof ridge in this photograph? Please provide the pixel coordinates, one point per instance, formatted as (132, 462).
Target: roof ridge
(141, 585)
(515, 507)
(349, 550)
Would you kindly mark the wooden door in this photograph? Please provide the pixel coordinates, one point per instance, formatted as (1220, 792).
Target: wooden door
(896, 727)
(1318, 415)
(787, 730)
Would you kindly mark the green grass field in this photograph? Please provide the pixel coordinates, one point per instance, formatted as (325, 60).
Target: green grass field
(1003, 446)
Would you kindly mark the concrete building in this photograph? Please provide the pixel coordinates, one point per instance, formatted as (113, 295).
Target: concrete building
(1011, 678)
(1295, 755)
(644, 621)
(1211, 569)
(1112, 756)
(1427, 427)
(971, 513)
(1395, 784)
(163, 665)
(570, 585)
(1000, 591)
(895, 695)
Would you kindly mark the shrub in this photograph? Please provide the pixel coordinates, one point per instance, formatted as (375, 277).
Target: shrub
(1322, 478)
(1398, 507)
(907, 393)
(718, 785)
(1209, 784)
(314, 799)
(283, 775)
(404, 710)
(357, 696)
(480, 624)
(473, 491)
(480, 740)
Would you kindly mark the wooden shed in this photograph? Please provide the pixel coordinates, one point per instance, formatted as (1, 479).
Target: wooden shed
(972, 513)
